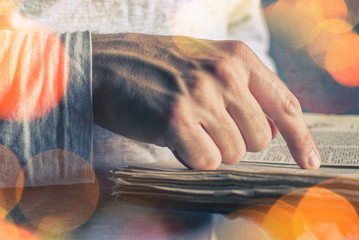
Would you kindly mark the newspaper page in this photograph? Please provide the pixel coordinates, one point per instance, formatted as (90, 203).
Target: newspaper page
(260, 177)
(336, 137)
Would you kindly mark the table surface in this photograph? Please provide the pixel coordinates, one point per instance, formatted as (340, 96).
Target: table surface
(88, 211)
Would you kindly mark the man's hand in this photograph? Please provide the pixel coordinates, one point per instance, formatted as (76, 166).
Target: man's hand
(208, 101)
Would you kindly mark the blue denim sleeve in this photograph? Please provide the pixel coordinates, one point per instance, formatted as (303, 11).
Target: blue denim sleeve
(45, 109)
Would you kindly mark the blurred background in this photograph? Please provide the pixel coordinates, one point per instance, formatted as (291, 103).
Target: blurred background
(315, 45)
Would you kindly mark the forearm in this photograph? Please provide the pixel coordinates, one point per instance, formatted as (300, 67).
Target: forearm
(132, 88)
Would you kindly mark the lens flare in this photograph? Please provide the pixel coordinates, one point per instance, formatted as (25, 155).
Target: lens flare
(295, 23)
(11, 180)
(8, 230)
(335, 26)
(59, 208)
(316, 212)
(342, 52)
(35, 69)
(342, 59)
(348, 77)
(326, 214)
(280, 222)
(328, 9)
(324, 27)
(336, 49)
(310, 213)
(25, 234)
(290, 23)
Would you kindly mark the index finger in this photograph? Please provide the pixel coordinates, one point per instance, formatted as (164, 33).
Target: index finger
(284, 108)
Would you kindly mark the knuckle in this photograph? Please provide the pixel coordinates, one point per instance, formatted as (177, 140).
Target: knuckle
(202, 92)
(233, 153)
(218, 65)
(243, 56)
(237, 156)
(225, 72)
(198, 85)
(179, 114)
(291, 105)
(261, 141)
(237, 47)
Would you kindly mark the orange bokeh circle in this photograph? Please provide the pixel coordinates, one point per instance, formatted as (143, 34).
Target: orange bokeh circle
(315, 212)
(342, 59)
(294, 23)
(328, 9)
(60, 208)
(326, 214)
(335, 46)
(342, 52)
(309, 213)
(290, 23)
(8, 229)
(281, 223)
(11, 180)
(336, 50)
(348, 77)
(34, 74)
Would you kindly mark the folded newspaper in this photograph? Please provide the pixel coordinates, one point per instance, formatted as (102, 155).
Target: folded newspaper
(260, 178)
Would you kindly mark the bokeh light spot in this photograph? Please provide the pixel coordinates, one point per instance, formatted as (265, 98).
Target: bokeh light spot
(326, 214)
(8, 230)
(332, 51)
(327, 9)
(335, 26)
(25, 234)
(348, 77)
(34, 74)
(59, 208)
(281, 223)
(11, 180)
(342, 59)
(338, 54)
(295, 23)
(57, 167)
(308, 213)
(342, 51)
(290, 23)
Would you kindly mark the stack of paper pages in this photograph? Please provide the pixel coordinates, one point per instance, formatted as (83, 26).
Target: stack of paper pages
(260, 178)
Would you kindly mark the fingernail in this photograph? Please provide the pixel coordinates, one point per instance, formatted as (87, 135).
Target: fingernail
(314, 160)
